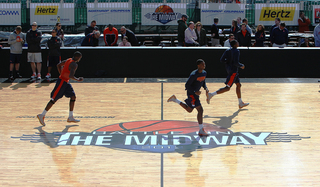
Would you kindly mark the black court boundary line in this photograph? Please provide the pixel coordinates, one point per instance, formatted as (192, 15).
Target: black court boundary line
(171, 80)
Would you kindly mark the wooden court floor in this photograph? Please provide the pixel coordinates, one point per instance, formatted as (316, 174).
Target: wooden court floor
(128, 137)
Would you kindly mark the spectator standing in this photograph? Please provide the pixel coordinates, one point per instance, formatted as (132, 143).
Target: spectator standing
(316, 35)
(59, 31)
(245, 21)
(201, 34)
(110, 35)
(306, 43)
(227, 42)
(54, 54)
(234, 28)
(190, 35)
(215, 38)
(243, 36)
(131, 36)
(16, 41)
(90, 38)
(34, 50)
(182, 26)
(239, 21)
(303, 22)
(260, 36)
(279, 36)
(90, 29)
(276, 24)
(125, 42)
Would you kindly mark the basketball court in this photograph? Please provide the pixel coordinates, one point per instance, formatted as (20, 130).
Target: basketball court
(129, 135)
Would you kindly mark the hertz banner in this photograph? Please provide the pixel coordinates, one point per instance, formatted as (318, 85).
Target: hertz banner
(52, 13)
(265, 14)
(10, 14)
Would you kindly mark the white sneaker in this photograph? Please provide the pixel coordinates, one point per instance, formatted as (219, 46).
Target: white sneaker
(209, 96)
(72, 120)
(241, 105)
(172, 98)
(48, 75)
(39, 76)
(33, 76)
(41, 119)
(202, 132)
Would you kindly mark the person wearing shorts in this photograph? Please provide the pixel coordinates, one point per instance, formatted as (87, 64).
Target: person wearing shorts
(63, 87)
(16, 41)
(231, 58)
(195, 81)
(34, 50)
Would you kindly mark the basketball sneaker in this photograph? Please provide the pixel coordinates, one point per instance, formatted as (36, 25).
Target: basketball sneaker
(172, 98)
(202, 132)
(41, 119)
(48, 75)
(209, 96)
(241, 105)
(33, 76)
(39, 76)
(72, 120)
(18, 75)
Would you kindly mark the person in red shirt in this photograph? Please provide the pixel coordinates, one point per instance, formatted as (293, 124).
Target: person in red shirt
(67, 69)
(303, 22)
(110, 35)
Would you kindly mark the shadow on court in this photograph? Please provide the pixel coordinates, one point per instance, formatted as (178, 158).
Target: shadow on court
(226, 121)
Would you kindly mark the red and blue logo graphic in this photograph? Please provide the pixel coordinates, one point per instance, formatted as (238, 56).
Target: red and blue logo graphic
(163, 14)
(157, 136)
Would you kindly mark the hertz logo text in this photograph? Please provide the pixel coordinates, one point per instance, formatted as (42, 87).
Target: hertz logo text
(270, 13)
(46, 10)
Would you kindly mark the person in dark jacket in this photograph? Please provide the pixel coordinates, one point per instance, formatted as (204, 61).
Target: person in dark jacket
(34, 50)
(234, 28)
(231, 59)
(90, 38)
(260, 36)
(54, 55)
(182, 26)
(201, 34)
(243, 36)
(279, 36)
(131, 36)
(276, 24)
(193, 85)
(215, 38)
(90, 29)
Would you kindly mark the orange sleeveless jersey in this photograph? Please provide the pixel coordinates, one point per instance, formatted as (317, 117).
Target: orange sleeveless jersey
(65, 71)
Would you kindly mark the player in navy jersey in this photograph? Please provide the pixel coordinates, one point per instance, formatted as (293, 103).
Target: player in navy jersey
(195, 81)
(231, 58)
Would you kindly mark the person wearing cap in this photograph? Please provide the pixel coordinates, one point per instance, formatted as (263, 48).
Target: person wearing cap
(16, 41)
(110, 35)
(182, 26)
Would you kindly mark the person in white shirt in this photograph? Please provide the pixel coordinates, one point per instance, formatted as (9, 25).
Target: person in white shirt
(190, 35)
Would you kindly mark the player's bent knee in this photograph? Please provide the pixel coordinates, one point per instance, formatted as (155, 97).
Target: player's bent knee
(52, 101)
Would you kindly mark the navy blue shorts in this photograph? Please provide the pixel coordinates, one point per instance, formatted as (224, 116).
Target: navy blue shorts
(15, 58)
(61, 89)
(193, 100)
(53, 61)
(232, 78)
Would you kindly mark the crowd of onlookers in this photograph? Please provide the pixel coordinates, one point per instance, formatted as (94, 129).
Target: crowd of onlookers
(189, 34)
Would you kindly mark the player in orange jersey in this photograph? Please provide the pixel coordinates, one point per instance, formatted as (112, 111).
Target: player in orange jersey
(67, 69)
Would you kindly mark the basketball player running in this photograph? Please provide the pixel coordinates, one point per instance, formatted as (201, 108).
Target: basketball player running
(63, 87)
(195, 81)
(231, 58)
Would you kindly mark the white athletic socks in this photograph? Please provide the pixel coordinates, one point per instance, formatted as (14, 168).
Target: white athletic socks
(200, 126)
(240, 100)
(70, 113)
(214, 93)
(44, 112)
(177, 101)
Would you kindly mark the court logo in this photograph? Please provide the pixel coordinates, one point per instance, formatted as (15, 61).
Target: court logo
(158, 136)
(163, 14)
